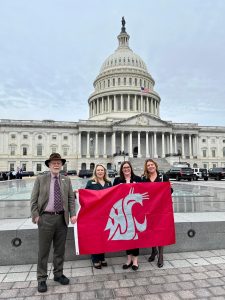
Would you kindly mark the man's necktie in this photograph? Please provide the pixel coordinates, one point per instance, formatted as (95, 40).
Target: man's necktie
(58, 206)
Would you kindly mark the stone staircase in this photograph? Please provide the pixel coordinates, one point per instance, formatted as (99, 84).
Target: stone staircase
(138, 164)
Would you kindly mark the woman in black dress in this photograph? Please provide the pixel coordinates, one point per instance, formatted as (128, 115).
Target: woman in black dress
(99, 181)
(151, 174)
(127, 176)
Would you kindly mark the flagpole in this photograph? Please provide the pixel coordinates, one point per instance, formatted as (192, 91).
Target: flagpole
(75, 228)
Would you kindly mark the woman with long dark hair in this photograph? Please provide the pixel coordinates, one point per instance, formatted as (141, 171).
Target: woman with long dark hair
(151, 174)
(127, 176)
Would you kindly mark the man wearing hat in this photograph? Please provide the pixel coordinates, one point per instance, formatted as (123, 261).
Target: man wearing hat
(52, 202)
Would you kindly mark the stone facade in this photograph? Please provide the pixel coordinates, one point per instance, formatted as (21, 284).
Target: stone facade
(124, 123)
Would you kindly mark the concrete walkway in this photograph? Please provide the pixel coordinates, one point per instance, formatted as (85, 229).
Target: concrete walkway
(187, 275)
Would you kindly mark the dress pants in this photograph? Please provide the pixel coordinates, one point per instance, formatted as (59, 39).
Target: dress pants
(97, 257)
(51, 228)
(134, 252)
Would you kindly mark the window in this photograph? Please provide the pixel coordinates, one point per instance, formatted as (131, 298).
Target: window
(130, 81)
(12, 150)
(25, 136)
(135, 81)
(203, 140)
(204, 153)
(54, 150)
(124, 81)
(54, 137)
(38, 168)
(39, 150)
(108, 83)
(223, 151)
(118, 81)
(213, 153)
(13, 136)
(24, 167)
(213, 141)
(113, 81)
(65, 151)
(24, 150)
(223, 141)
(11, 167)
(205, 166)
(65, 137)
(214, 165)
(40, 137)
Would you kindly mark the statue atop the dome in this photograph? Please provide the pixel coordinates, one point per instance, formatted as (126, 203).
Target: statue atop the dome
(123, 29)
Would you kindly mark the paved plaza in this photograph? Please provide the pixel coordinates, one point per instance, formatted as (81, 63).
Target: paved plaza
(187, 275)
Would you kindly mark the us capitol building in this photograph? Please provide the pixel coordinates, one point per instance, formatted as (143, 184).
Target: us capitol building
(124, 123)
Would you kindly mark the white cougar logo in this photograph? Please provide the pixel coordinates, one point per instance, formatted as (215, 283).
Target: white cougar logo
(121, 223)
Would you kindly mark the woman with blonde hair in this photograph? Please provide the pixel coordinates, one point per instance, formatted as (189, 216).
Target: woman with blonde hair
(151, 174)
(99, 181)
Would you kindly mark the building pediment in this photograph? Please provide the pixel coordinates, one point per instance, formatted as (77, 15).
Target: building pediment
(143, 120)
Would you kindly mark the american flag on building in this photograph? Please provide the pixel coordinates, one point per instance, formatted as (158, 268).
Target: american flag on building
(145, 90)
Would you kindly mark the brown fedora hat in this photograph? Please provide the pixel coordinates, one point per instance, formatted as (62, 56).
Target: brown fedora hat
(54, 156)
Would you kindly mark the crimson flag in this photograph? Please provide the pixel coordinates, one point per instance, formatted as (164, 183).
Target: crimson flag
(126, 216)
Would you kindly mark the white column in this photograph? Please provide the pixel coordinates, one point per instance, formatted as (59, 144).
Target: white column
(142, 103)
(197, 145)
(190, 146)
(147, 144)
(128, 102)
(175, 143)
(122, 141)
(88, 145)
(115, 103)
(108, 105)
(182, 145)
(79, 145)
(113, 143)
(97, 100)
(130, 146)
(104, 145)
(171, 144)
(163, 145)
(139, 144)
(151, 105)
(96, 145)
(155, 146)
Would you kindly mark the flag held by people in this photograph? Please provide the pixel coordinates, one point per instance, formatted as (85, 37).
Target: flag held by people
(126, 216)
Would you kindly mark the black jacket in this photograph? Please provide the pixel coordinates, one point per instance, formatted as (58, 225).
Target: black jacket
(159, 178)
(119, 180)
(92, 185)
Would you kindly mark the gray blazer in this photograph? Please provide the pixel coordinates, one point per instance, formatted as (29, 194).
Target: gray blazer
(40, 196)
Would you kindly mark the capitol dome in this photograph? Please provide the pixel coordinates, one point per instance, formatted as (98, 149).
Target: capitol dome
(124, 87)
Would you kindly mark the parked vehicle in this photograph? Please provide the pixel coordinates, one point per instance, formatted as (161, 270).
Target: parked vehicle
(181, 173)
(111, 173)
(72, 172)
(200, 173)
(217, 173)
(85, 173)
(62, 172)
(27, 173)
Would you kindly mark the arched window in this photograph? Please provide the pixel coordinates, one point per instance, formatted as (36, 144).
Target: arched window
(92, 166)
(83, 166)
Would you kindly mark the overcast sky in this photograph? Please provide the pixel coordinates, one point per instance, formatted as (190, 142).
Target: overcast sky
(52, 50)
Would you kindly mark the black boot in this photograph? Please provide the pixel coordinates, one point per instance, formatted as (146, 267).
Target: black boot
(153, 255)
(160, 258)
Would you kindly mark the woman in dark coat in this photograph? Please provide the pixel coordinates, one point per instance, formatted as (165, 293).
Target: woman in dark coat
(151, 174)
(99, 181)
(127, 176)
